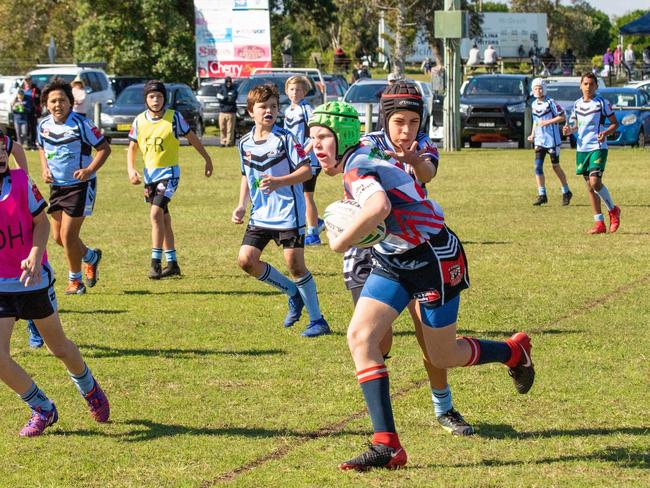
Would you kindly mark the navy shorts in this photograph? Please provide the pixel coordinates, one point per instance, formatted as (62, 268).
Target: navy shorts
(259, 237)
(159, 193)
(310, 185)
(434, 273)
(75, 200)
(553, 152)
(33, 305)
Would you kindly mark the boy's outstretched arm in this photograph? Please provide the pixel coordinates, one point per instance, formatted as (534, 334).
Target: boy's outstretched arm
(196, 143)
(272, 183)
(134, 176)
(244, 196)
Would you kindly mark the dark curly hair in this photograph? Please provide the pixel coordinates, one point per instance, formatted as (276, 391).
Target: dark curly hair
(57, 83)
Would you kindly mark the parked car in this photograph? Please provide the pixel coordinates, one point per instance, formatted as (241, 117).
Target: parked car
(335, 86)
(634, 124)
(117, 118)
(119, 83)
(572, 79)
(369, 90)
(207, 95)
(244, 120)
(9, 86)
(492, 108)
(641, 85)
(98, 86)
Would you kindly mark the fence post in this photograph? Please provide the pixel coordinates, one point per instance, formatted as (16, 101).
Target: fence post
(368, 117)
(528, 125)
(97, 115)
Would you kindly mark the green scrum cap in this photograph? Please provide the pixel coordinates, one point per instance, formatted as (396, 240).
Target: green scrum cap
(343, 120)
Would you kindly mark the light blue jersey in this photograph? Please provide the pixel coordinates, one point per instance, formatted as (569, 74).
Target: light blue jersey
(180, 128)
(549, 135)
(279, 155)
(295, 121)
(68, 146)
(591, 118)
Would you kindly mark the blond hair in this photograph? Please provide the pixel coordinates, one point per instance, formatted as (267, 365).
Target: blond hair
(298, 80)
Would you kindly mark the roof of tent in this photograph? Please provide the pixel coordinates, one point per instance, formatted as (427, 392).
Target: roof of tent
(638, 26)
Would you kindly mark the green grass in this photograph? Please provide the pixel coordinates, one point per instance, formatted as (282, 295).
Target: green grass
(207, 387)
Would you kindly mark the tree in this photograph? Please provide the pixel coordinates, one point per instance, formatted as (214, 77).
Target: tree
(493, 7)
(142, 37)
(25, 30)
(620, 22)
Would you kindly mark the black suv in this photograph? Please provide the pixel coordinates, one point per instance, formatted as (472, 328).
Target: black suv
(493, 107)
(245, 122)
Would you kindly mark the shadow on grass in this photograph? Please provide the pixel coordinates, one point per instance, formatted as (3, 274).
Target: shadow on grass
(93, 312)
(148, 430)
(504, 431)
(202, 292)
(94, 351)
(487, 243)
(624, 457)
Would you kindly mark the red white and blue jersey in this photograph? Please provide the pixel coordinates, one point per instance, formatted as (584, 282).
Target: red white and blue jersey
(549, 135)
(382, 141)
(412, 218)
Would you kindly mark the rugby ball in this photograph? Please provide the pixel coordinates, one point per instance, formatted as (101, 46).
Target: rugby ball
(340, 214)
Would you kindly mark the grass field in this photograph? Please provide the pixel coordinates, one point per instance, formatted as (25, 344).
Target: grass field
(208, 389)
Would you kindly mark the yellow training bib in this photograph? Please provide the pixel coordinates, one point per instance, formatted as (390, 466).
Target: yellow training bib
(157, 141)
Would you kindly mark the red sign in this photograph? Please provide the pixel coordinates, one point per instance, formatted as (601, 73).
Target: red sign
(235, 69)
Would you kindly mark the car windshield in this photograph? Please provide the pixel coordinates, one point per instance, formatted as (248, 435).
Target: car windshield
(489, 86)
(208, 90)
(134, 95)
(564, 93)
(41, 80)
(365, 93)
(251, 83)
(620, 99)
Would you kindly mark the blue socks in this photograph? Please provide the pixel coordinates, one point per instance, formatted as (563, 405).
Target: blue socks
(541, 190)
(604, 195)
(35, 398)
(156, 253)
(599, 218)
(74, 276)
(565, 189)
(484, 352)
(376, 390)
(170, 255)
(277, 280)
(90, 257)
(84, 382)
(307, 288)
(441, 400)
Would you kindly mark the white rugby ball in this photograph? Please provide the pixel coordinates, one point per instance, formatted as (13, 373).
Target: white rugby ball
(340, 214)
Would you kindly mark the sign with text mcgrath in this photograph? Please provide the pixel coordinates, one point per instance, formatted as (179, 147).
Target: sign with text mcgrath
(507, 32)
(233, 37)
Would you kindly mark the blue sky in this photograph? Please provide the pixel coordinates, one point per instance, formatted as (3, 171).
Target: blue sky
(613, 7)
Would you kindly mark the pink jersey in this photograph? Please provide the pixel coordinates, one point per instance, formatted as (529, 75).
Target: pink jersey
(16, 226)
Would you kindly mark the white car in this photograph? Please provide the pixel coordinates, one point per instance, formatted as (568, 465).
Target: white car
(98, 86)
(9, 86)
(643, 85)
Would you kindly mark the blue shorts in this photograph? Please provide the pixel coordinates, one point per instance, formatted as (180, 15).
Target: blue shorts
(433, 273)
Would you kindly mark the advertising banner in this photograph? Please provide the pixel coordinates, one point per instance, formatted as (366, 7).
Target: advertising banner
(510, 34)
(233, 37)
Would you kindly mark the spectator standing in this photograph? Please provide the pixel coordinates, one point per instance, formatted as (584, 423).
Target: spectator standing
(608, 63)
(629, 60)
(287, 52)
(341, 61)
(646, 60)
(568, 61)
(227, 97)
(618, 59)
(490, 58)
(80, 105)
(32, 97)
(20, 118)
(548, 59)
(474, 58)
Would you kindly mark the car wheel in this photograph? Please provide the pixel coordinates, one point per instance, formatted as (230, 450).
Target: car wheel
(474, 144)
(641, 141)
(199, 129)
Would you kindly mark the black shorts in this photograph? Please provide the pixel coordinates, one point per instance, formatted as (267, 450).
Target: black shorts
(433, 273)
(75, 200)
(259, 237)
(553, 152)
(159, 193)
(33, 305)
(310, 185)
(357, 265)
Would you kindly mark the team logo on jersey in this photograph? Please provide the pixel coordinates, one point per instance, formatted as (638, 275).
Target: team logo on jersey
(428, 296)
(455, 274)
(300, 150)
(35, 191)
(96, 132)
(377, 153)
(46, 132)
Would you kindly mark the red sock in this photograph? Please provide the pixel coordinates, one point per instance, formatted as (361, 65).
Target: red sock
(515, 357)
(390, 439)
